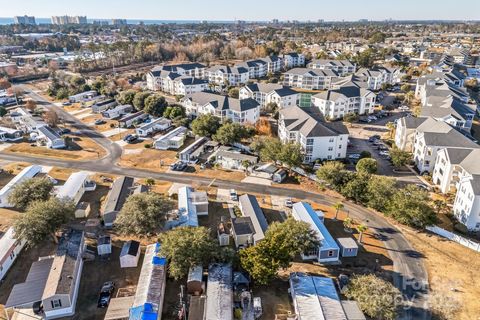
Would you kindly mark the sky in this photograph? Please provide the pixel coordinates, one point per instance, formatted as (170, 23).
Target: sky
(252, 10)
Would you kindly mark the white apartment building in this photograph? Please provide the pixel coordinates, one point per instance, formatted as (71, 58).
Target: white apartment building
(293, 60)
(256, 68)
(226, 108)
(377, 77)
(310, 79)
(156, 75)
(405, 132)
(265, 93)
(466, 207)
(318, 138)
(342, 67)
(432, 136)
(348, 98)
(225, 75)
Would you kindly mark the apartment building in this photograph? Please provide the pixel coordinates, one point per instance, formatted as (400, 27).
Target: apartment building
(257, 68)
(265, 93)
(226, 108)
(405, 132)
(342, 67)
(350, 97)
(225, 75)
(376, 77)
(25, 20)
(310, 79)
(156, 75)
(62, 20)
(318, 138)
(466, 206)
(293, 60)
(433, 135)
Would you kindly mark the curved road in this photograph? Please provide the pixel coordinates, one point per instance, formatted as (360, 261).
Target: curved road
(410, 275)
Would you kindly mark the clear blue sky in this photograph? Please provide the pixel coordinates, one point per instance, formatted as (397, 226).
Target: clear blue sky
(248, 9)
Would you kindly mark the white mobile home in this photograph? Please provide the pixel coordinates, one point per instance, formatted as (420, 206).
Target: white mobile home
(219, 304)
(156, 125)
(10, 135)
(117, 112)
(315, 298)
(80, 97)
(50, 138)
(27, 173)
(172, 140)
(191, 204)
(10, 248)
(328, 250)
(131, 119)
(102, 106)
(52, 281)
(232, 159)
(130, 254)
(75, 187)
(191, 153)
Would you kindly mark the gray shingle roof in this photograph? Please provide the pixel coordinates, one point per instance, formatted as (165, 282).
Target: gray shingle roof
(223, 102)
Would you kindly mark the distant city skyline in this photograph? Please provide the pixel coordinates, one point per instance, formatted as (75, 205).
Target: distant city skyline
(251, 10)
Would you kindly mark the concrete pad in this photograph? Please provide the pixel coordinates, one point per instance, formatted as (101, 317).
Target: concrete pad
(46, 169)
(73, 113)
(83, 115)
(223, 194)
(113, 132)
(132, 151)
(174, 188)
(255, 180)
(121, 143)
(4, 146)
(278, 202)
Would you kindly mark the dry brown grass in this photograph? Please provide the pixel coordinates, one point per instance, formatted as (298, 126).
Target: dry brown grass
(452, 270)
(149, 159)
(89, 150)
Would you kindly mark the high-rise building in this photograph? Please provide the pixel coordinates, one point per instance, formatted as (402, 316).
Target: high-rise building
(60, 20)
(119, 22)
(30, 20)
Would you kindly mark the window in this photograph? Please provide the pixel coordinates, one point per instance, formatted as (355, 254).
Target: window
(56, 303)
(330, 148)
(331, 253)
(309, 142)
(331, 140)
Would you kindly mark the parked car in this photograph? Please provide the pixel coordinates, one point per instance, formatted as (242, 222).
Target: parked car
(67, 103)
(288, 203)
(423, 186)
(129, 138)
(106, 294)
(233, 195)
(65, 131)
(178, 166)
(99, 122)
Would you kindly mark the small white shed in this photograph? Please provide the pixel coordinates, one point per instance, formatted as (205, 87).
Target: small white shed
(348, 247)
(130, 254)
(82, 210)
(104, 245)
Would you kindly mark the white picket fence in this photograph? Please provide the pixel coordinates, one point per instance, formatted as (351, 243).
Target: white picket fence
(455, 237)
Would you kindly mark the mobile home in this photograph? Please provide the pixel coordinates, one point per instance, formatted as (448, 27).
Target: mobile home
(117, 112)
(154, 126)
(27, 173)
(75, 187)
(10, 248)
(131, 119)
(171, 140)
(219, 305)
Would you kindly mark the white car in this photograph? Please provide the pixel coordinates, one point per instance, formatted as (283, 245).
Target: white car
(233, 195)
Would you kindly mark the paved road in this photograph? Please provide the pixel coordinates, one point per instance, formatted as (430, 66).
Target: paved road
(409, 271)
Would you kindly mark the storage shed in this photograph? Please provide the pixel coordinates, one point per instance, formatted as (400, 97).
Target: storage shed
(195, 280)
(130, 254)
(104, 245)
(82, 210)
(348, 247)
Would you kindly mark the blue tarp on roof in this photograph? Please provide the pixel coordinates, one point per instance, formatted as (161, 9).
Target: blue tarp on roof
(158, 261)
(144, 312)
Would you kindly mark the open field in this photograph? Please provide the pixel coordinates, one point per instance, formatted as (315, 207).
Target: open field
(84, 149)
(452, 270)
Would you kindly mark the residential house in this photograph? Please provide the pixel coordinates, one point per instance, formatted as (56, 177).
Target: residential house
(25, 174)
(118, 111)
(171, 140)
(310, 79)
(318, 138)
(132, 119)
(251, 227)
(10, 248)
(119, 192)
(10, 135)
(342, 67)
(52, 281)
(350, 97)
(154, 126)
(50, 138)
(219, 304)
(315, 298)
(75, 186)
(232, 159)
(191, 204)
(266, 93)
(328, 250)
(226, 108)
